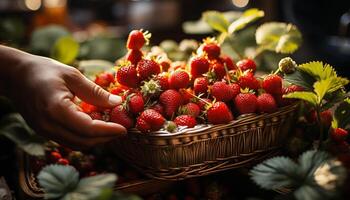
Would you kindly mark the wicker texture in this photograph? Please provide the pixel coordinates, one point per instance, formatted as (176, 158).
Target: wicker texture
(208, 149)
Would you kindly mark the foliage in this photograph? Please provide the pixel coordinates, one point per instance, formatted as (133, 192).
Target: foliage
(342, 114)
(62, 182)
(303, 177)
(247, 17)
(15, 128)
(65, 50)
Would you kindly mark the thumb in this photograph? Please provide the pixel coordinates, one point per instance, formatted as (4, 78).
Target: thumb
(91, 93)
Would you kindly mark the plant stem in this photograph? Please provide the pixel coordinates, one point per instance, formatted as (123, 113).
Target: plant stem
(258, 51)
(319, 121)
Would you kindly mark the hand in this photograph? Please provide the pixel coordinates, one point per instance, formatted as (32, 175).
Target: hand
(43, 91)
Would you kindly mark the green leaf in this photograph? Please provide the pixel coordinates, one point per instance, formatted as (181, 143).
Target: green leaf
(317, 70)
(216, 21)
(247, 17)
(275, 173)
(310, 160)
(91, 187)
(44, 38)
(58, 180)
(306, 96)
(65, 50)
(309, 192)
(333, 98)
(342, 114)
(91, 68)
(300, 78)
(279, 37)
(196, 27)
(326, 86)
(16, 129)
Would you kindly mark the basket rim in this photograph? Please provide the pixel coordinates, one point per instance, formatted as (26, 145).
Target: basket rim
(239, 121)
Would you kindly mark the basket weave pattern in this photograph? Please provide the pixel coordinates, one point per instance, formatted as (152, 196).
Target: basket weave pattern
(211, 149)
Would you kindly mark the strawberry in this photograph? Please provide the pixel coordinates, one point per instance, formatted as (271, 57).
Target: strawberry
(272, 84)
(286, 90)
(190, 109)
(266, 103)
(228, 62)
(246, 64)
(104, 79)
(134, 56)
(149, 120)
(63, 161)
(120, 116)
(159, 108)
(200, 85)
(171, 100)
(212, 49)
(185, 120)
(165, 65)
(219, 113)
(199, 66)
(55, 156)
(96, 115)
(247, 80)
(127, 76)
(203, 102)
(339, 134)
(246, 103)
(163, 80)
(235, 88)
(219, 69)
(88, 108)
(179, 79)
(146, 68)
(326, 117)
(186, 95)
(221, 91)
(137, 39)
(117, 89)
(136, 103)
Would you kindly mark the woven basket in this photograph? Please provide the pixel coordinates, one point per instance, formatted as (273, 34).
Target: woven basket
(208, 149)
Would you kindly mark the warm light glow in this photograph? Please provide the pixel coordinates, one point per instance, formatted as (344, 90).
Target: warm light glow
(33, 4)
(55, 3)
(240, 3)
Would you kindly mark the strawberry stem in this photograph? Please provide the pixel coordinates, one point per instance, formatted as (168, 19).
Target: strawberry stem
(200, 99)
(227, 74)
(258, 52)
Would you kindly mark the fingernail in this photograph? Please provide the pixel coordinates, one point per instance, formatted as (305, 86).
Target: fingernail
(114, 99)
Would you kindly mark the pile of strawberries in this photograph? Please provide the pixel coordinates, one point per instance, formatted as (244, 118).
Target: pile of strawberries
(209, 88)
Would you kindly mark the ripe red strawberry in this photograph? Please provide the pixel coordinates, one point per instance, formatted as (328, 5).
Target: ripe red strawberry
(246, 64)
(236, 89)
(286, 90)
(137, 39)
(221, 91)
(179, 79)
(136, 103)
(200, 85)
(293, 88)
(120, 116)
(127, 76)
(118, 89)
(247, 80)
(246, 103)
(326, 117)
(149, 120)
(219, 113)
(199, 66)
(134, 56)
(171, 100)
(88, 108)
(339, 134)
(272, 84)
(159, 108)
(228, 62)
(166, 64)
(185, 120)
(63, 161)
(147, 68)
(266, 103)
(219, 70)
(104, 79)
(213, 50)
(55, 156)
(186, 95)
(96, 115)
(190, 109)
(163, 80)
(203, 102)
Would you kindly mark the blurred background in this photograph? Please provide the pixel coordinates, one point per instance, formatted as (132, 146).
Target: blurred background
(101, 26)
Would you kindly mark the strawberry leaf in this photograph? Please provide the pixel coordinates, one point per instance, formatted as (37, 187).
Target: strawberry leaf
(278, 37)
(216, 21)
(247, 17)
(327, 86)
(342, 115)
(65, 50)
(318, 70)
(300, 78)
(306, 96)
(58, 180)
